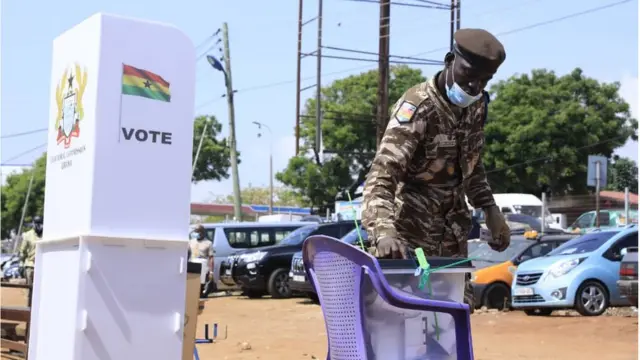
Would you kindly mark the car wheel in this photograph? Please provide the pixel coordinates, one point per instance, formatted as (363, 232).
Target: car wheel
(496, 296)
(592, 299)
(278, 285)
(538, 312)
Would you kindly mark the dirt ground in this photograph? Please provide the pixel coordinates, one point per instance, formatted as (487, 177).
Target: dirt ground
(269, 329)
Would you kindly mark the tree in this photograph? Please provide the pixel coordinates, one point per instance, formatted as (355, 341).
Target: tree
(14, 192)
(348, 135)
(623, 172)
(541, 129)
(282, 196)
(213, 164)
(214, 159)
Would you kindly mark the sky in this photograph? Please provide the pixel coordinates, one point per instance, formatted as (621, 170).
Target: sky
(263, 44)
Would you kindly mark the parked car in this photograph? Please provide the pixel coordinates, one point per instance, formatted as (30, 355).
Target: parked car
(266, 271)
(10, 266)
(608, 218)
(494, 270)
(628, 283)
(297, 275)
(231, 238)
(580, 274)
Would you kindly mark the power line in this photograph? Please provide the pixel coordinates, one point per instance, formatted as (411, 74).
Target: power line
(542, 23)
(373, 60)
(23, 153)
(436, 62)
(437, 7)
(23, 133)
(509, 32)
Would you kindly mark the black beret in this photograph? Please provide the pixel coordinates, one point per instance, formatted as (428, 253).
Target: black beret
(480, 48)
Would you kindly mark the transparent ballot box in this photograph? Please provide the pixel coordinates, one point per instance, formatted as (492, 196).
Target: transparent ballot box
(400, 334)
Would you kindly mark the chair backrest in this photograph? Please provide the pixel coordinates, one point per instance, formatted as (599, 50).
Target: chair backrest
(336, 274)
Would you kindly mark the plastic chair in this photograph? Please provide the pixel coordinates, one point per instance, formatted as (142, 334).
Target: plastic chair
(336, 271)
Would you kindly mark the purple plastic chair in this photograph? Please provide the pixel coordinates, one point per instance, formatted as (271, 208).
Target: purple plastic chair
(336, 269)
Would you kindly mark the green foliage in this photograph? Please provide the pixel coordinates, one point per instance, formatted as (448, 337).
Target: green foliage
(623, 173)
(541, 129)
(13, 195)
(348, 130)
(214, 160)
(282, 196)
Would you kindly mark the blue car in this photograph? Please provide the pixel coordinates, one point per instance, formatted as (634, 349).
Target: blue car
(581, 274)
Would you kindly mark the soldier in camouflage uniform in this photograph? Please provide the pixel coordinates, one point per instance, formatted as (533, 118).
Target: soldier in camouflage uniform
(430, 158)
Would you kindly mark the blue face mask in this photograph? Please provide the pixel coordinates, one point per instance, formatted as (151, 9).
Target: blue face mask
(456, 95)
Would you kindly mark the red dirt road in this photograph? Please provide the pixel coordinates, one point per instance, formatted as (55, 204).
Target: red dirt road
(294, 329)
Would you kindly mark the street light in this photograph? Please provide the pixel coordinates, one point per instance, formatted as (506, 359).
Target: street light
(226, 70)
(260, 126)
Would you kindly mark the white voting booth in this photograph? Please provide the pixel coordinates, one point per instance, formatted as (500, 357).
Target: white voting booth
(111, 268)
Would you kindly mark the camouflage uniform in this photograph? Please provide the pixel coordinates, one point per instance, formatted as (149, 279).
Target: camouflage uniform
(428, 159)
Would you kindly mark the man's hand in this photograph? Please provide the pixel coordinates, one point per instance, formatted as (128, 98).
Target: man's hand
(500, 232)
(391, 248)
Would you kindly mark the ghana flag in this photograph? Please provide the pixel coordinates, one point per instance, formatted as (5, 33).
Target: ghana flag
(138, 82)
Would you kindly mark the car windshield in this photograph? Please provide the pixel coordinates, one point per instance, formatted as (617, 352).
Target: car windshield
(297, 236)
(583, 244)
(531, 210)
(353, 238)
(484, 252)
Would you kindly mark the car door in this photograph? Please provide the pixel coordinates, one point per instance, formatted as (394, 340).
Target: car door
(611, 268)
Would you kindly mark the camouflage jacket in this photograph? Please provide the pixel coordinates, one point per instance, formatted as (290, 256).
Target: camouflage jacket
(425, 146)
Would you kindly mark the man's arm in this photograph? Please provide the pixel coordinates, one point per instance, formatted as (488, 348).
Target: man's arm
(475, 181)
(404, 131)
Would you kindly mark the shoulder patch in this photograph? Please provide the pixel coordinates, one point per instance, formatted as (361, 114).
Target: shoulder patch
(405, 112)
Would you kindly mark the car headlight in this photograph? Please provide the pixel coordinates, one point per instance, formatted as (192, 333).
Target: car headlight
(564, 267)
(253, 257)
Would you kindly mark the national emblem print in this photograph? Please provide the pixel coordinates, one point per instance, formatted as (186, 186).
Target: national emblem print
(69, 92)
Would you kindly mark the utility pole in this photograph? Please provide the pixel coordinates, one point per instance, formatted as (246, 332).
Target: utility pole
(458, 14)
(452, 25)
(383, 69)
(237, 199)
(24, 210)
(318, 82)
(298, 79)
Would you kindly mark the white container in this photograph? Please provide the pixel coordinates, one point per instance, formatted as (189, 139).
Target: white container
(399, 334)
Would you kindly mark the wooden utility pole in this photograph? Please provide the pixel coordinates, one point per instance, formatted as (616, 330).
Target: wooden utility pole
(319, 83)
(237, 198)
(458, 14)
(452, 25)
(298, 80)
(383, 70)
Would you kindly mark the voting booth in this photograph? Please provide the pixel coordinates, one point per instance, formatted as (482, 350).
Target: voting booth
(110, 280)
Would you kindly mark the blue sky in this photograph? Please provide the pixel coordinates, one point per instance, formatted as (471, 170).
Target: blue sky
(263, 51)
